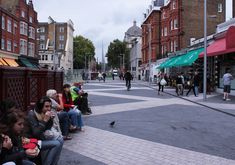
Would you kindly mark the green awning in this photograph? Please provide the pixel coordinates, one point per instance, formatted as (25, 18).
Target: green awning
(189, 58)
(27, 63)
(166, 63)
(182, 60)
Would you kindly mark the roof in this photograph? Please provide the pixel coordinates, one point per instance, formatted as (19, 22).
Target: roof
(134, 31)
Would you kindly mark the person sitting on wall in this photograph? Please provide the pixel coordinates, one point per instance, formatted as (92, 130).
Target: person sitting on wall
(80, 98)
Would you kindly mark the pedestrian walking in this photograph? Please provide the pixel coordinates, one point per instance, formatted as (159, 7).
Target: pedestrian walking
(113, 75)
(196, 81)
(227, 78)
(104, 76)
(179, 84)
(191, 85)
(100, 76)
(161, 82)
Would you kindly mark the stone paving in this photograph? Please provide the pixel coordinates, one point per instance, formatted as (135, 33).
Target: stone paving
(130, 143)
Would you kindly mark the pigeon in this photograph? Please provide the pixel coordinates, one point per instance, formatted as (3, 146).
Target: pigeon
(112, 123)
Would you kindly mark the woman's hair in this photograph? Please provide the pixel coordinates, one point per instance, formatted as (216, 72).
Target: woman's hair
(10, 118)
(51, 92)
(40, 103)
(66, 86)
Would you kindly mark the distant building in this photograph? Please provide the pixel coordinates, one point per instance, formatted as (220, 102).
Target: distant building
(133, 39)
(55, 44)
(18, 38)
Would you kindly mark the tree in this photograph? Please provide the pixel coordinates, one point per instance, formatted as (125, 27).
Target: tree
(83, 51)
(115, 53)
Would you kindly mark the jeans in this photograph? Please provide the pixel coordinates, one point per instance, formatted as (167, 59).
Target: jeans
(64, 122)
(196, 90)
(50, 151)
(76, 117)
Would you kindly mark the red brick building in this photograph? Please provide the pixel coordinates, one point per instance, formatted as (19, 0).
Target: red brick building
(182, 21)
(18, 37)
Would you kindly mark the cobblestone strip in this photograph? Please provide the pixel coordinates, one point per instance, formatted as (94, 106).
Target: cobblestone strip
(112, 148)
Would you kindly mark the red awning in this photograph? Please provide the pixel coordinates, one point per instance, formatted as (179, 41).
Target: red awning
(216, 48)
(222, 46)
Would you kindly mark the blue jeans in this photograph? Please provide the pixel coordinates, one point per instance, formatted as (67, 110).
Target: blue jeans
(64, 122)
(196, 90)
(76, 117)
(50, 151)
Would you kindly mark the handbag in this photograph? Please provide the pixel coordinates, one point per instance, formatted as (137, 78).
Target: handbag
(163, 82)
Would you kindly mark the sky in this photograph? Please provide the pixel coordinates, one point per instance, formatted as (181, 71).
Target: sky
(98, 20)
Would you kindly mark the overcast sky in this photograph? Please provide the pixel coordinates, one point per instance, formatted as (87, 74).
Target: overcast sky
(97, 20)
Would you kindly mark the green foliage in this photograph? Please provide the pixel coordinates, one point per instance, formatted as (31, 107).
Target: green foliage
(83, 50)
(115, 53)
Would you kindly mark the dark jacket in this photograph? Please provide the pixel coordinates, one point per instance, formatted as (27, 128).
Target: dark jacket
(15, 154)
(36, 127)
(128, 76)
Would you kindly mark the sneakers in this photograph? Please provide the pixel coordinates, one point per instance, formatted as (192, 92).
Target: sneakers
(228, 99)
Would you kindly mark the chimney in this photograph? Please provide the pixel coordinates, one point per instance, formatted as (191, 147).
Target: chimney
(30, 3)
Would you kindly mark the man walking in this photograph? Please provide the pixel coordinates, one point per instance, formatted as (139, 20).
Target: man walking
(227, 78)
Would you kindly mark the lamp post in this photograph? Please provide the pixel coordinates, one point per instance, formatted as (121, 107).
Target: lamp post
(123, 60)
(205, 51)
(150, 47)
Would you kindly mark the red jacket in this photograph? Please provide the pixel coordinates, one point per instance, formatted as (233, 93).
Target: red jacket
(67, 103)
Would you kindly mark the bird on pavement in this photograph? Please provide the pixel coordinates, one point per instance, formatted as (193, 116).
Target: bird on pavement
(112, 123)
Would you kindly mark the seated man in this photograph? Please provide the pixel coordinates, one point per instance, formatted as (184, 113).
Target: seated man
(80, 98)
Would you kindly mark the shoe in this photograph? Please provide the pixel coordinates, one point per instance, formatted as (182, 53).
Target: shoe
(67, 137)
(228, 99)
(224, 99)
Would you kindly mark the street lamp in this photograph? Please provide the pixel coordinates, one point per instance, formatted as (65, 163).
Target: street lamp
(150, 47)
(205, 51)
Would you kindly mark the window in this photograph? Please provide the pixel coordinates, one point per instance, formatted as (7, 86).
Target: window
(31, 32)
(220, 8)
(9, 27)
(62, 29)
(3, 22)
(171, 25)
(61, 38)
(22, 14)
(31, 49)
(23, 47)
(162, 32)
(42, 57)
(3, 44)
(165, 31)
(175, 23)
(15, 28)
(42, 37)
(172, 46)
(31, 19)
(46, 57)
(175, 46)
(164, 15)
(8, 45)
(61, 46)
(42, 29)
(14, 47)
(42, 46)
(174, 5)
(23, 28)
(52, 57)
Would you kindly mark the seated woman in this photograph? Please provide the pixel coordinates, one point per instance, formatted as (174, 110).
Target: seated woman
(80, 98)
(41, 127)
(74, 114)
(12, 149)
(62, 115)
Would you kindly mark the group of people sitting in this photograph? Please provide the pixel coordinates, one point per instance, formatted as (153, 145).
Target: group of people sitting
(37, 136)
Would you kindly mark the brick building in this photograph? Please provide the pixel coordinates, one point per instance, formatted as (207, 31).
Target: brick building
(60, 54)
(151, 44)
(18, 37)
(182, 21)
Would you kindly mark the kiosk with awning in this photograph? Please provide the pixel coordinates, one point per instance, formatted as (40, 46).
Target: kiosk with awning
(8, 62)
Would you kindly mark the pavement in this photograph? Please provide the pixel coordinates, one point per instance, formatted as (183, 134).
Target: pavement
(152, 129)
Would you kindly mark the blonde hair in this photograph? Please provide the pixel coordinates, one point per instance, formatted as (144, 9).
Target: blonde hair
(51, 92)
